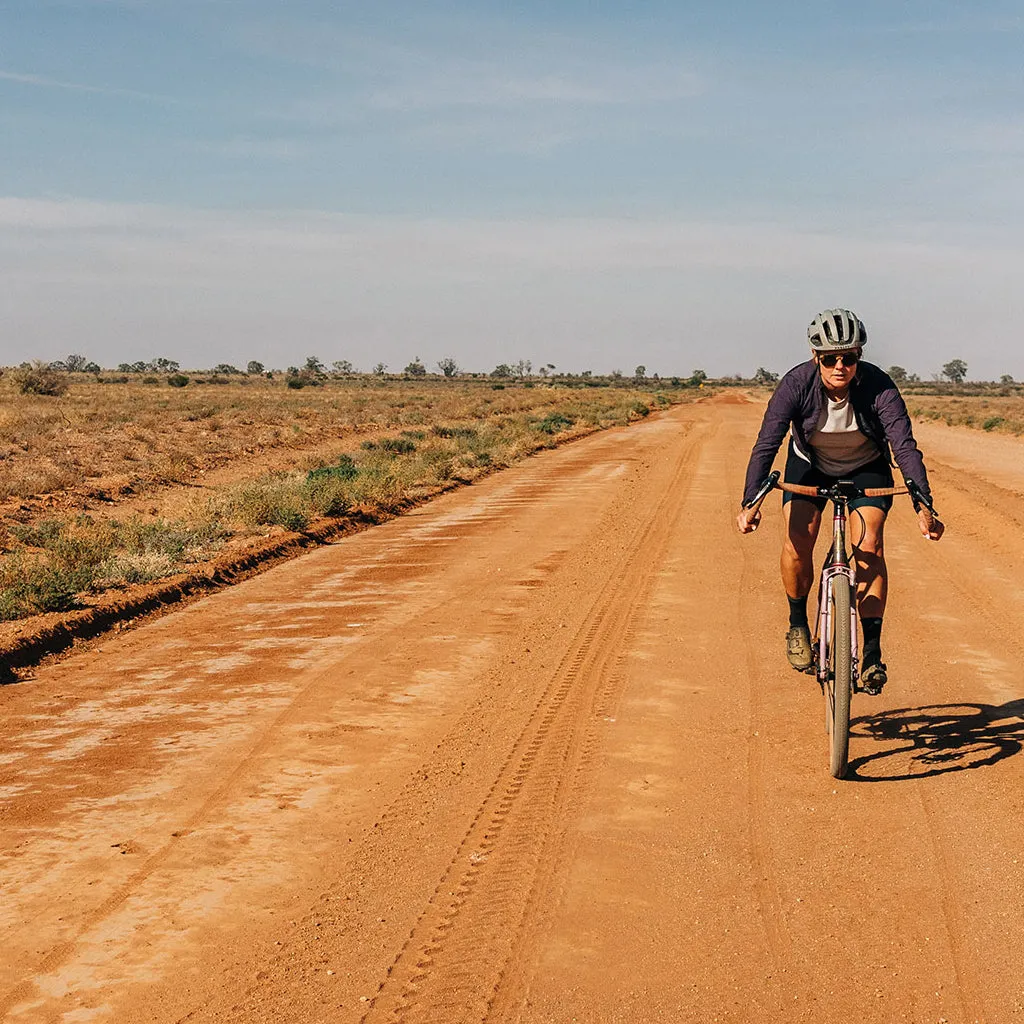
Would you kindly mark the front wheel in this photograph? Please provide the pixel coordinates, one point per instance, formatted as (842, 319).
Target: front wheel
(839, 686)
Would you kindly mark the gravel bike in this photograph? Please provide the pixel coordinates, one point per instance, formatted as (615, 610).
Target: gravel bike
(835, 643)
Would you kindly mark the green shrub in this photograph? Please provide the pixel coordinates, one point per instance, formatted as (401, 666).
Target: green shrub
(344, 469)
(465, 433)
(640, 409)
(29, 587)
(554, 423)
(177, 380)
(398, 445)
(992, 422)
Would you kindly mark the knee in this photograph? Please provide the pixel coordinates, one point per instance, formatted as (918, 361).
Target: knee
(798, 547)
(869, 549)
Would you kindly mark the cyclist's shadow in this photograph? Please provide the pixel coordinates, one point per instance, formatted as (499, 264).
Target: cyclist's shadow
(918, 743)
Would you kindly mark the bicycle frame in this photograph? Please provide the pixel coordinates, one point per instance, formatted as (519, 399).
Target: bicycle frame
(838, 563)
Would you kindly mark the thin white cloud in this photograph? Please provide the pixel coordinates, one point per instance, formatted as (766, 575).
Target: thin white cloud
(54, 83)
(478, 85)
(247, 147)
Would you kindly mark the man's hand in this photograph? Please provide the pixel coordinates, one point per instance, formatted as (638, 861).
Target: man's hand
(931, 528)
(748, 520)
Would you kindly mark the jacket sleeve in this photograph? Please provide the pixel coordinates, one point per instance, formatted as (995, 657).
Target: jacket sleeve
(892, 412)
(777, 418)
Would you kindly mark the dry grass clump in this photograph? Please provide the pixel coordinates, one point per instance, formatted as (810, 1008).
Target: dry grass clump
(1001, 413)
(57, 560)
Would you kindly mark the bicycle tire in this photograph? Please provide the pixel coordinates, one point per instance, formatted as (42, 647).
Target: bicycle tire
(840, 683)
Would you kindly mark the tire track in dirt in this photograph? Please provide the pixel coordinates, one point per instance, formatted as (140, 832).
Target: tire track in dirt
(778, 940)
(455, 959)
(511, 990)
(212, 805)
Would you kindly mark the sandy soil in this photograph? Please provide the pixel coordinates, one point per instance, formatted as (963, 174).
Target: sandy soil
(532, 753)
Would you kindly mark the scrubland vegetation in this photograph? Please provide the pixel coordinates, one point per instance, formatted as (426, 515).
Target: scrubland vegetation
(73, 463)
(989, 407)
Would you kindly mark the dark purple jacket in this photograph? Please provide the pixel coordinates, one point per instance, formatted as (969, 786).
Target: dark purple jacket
(797, 406)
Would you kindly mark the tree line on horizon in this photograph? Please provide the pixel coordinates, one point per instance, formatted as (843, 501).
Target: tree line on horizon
(50, 378)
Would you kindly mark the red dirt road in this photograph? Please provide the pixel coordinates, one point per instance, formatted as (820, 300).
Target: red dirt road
(532, 753)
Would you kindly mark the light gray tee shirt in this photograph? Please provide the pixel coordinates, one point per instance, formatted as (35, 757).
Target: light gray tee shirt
(839, 445)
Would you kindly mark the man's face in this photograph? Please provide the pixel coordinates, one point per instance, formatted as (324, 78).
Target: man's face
(843, 369)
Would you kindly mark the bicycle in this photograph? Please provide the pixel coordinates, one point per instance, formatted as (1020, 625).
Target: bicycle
(835, 643)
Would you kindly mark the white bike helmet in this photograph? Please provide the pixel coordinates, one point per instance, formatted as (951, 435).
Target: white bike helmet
(836, 330)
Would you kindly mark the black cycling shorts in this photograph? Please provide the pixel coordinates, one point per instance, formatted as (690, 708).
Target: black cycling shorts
(877, 473)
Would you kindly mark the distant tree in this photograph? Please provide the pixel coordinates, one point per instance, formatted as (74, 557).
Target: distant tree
(523, 368)
(73, 364)
(416, 368)
(162, 365)
(380, 369)
(314, 366)
(502, 370)
(1006, 379)
(254, 367)
(341, 366)
(448, 367)
(38, 378)
(304, 377)
(698, 377)
(586, 374)
(225, 368)
(955, 371)
(764, 376)
(615, 375)
(898, 374)
(640, 373)
(914, 378)
(91, 368)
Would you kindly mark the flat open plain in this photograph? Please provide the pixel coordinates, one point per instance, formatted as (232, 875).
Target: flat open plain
(533, 753)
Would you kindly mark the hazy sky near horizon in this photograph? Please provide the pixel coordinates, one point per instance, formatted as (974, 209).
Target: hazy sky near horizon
(679, 185)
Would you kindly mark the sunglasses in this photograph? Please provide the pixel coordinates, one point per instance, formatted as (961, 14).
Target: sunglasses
(844, 358)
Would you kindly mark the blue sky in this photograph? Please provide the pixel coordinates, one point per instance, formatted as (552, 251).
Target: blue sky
(675, 184)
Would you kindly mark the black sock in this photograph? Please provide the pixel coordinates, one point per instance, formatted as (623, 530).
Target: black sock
(872, 628)
(797, 611)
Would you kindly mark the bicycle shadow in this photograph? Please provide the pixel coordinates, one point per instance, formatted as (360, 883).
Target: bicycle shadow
(920, 743)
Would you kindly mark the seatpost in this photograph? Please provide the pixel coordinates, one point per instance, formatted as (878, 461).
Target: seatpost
(838, 527)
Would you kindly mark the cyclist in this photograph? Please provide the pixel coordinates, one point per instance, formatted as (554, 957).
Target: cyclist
(843, 416)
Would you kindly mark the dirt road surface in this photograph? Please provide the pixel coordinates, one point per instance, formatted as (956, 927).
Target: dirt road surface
(532, 753)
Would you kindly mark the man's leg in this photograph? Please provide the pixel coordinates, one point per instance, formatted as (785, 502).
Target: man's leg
(867, 526)
(802, 520)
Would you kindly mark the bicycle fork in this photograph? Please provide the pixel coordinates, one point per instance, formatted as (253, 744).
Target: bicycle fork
(825, 613)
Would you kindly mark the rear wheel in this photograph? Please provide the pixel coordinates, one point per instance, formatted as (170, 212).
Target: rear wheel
(839, 686)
